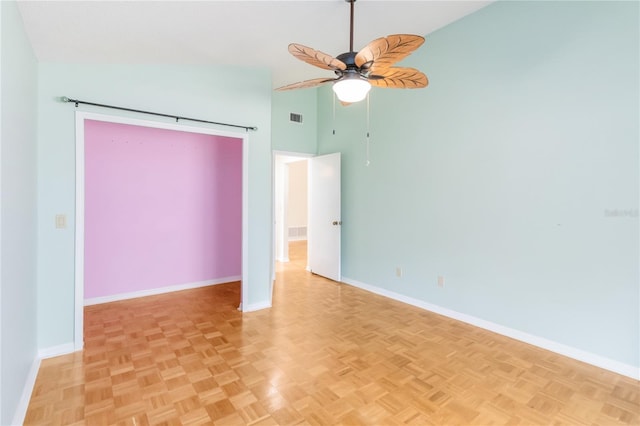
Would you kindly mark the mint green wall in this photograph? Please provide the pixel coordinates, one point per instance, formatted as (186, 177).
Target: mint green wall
(223, 94)
(295, 137)
(505, 174)
(18, 180)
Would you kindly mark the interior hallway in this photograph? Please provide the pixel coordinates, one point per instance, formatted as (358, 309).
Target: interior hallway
(325, 354)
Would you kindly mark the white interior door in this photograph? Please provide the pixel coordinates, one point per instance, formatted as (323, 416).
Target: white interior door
(324, 216)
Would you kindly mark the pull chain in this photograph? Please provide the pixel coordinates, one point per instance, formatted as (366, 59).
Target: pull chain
(368, 131)
(334, 112)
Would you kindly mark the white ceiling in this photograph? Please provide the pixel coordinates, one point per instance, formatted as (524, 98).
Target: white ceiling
(245, 33)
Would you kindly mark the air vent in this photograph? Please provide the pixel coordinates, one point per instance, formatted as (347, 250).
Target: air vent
(296, 118)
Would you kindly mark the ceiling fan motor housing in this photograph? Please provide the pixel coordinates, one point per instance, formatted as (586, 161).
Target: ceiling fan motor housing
(349, 59)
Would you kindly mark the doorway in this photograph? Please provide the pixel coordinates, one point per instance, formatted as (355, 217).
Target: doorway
(80, 271)
(291, 202)
(322, 254)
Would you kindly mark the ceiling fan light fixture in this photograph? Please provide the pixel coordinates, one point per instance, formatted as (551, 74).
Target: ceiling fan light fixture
(355, 70)
(351, 88)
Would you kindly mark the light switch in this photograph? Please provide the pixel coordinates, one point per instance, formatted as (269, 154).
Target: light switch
(61, 221)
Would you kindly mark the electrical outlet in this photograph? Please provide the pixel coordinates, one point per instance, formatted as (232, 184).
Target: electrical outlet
(440, 281)
(398, 272)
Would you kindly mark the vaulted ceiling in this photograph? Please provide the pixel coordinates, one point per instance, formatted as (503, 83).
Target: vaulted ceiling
(243, 33)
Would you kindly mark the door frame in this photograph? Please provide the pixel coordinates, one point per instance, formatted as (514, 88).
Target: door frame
(292, 156)
(275, 171)
(80, 118)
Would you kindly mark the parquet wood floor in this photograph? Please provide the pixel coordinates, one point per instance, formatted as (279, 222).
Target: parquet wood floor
(325, 354)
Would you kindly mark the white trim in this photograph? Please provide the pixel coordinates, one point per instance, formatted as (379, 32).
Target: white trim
(1, 149)
(78, 323)
(29, 384)
(256, 306)
(53, 351)
(279, 255)
(244, 284)
(80, 200)
(161, 290)
(301, 155)
(559, 348)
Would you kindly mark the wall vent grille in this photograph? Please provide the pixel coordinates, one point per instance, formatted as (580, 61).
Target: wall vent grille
(296, 118)
(297, 233)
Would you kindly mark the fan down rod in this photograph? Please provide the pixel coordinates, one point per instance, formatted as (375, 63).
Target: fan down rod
(351, 26)
(159, 114)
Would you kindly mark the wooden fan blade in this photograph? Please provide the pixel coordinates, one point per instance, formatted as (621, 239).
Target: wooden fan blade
(316, 58)
(386, 51)
(399, 78)
(305, 84)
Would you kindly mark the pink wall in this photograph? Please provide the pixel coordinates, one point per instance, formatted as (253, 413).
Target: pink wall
(162, 208)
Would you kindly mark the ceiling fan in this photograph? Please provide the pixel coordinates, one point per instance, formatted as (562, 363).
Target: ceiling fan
(356, 72)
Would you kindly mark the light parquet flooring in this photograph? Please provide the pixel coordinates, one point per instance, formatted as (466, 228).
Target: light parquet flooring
(325, 354)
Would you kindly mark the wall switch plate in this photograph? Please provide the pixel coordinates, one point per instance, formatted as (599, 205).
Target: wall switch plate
(398, 272)
(61, 221)
(440, 281)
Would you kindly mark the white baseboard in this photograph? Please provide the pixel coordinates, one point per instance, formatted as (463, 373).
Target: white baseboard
(161, 290)
(30, 382)
(23, 403)
(256, 306)
(58, 350)
(559, 348)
